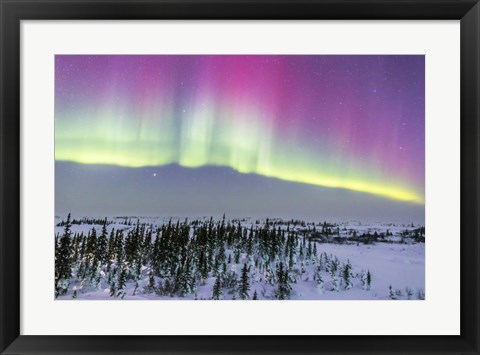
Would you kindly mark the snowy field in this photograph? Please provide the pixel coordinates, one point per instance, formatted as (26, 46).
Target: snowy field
(141, 258)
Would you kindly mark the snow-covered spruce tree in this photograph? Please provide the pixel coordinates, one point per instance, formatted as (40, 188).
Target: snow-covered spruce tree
(347, 275)
(268, 274)
(83, 246)
(216, 265)
(119, 248)
(335, 283)
(335, 262)
(408, 292)
(90, 251)
(321, 263)
(113, 281)
(75, 248)
(255, 296)
(318, 277)
(291, 259)
(391, 294)
(155, 260)
(368, 280)
(229, 281)
(303, 269)
(110, 248)
(101, 249)
(130, 246)
(96, 281)
(184, 281)
(250, 242)
(333, 274)
(217, 290)
(284, 288)
(63, 261)
(203, 266)
(363, 280)
(122, 282)
(147, 248)
(244, 283)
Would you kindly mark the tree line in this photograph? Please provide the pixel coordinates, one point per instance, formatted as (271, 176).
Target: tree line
(178, 257)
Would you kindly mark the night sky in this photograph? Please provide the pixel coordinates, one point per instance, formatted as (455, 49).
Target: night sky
(347, 127)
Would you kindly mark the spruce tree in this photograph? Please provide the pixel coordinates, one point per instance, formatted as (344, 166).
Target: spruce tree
(217, 290)
(369, 280)
(335, 284)
(63, 261)
(244, 283)
(391, 294)
(147, 247)
(119, 248)
(291, 261)
(347, 274)
(284, 288)
(101, 249)
(318, 277)
(90, 254)
(408, 292)
(333, 274)
(204, 269)
(186, 280)
(363, 280)
(110, 248)
(113, 282)
(122, 281)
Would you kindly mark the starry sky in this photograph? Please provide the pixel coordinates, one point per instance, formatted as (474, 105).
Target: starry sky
(344, 123)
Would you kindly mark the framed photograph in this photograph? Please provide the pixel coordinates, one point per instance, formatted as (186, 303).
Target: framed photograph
(239, 177)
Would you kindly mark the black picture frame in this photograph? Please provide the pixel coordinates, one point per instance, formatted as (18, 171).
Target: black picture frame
(13, 11)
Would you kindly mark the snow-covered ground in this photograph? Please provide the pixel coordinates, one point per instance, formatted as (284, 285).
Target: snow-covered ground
(396, 264)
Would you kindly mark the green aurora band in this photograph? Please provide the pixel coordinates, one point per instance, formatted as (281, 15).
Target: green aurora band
(247, 146)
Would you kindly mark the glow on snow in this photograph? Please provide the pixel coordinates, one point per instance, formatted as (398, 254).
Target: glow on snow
(352, 122)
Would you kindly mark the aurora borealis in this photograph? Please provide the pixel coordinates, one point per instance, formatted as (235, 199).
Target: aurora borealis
(345, 122)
